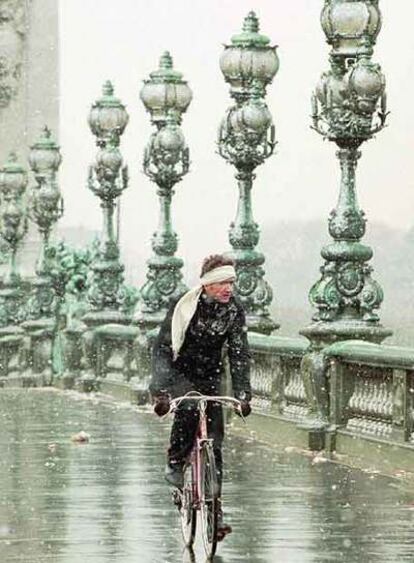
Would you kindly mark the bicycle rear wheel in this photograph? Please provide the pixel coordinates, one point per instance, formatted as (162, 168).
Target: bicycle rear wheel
(188, 513)
(209, 499)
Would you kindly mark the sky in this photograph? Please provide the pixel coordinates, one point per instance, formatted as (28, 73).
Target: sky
(122, 41)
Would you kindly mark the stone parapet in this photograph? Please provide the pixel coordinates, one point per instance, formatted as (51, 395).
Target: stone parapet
(371, 405)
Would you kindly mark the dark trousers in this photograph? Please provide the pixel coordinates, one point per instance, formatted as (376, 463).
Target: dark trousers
(184, 430)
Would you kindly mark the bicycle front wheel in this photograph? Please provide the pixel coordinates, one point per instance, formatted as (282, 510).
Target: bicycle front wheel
(209, 499)
(188, 513)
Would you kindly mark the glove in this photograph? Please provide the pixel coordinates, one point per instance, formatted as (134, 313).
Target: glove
(245, 408)
(161, 404)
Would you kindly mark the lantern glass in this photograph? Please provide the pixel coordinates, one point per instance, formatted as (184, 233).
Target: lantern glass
(44, 159)
(367, 80)
(13, 177)
(48, 196)
(170, 139)
(256, 117)
(110, 158)
(240, 65)
(13, 182)
(108, 116)
(349, 23)
(44, 155)
(159, 97)
(350, 20)
(165, 90)
(105, 120)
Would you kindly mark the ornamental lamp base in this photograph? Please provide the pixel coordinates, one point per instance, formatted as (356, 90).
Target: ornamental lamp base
(325, 333)
(94, 319)
(149, 321)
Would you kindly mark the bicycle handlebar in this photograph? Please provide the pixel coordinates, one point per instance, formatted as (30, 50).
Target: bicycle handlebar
(196, 396)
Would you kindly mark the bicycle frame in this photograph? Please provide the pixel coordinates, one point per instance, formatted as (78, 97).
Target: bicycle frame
(193, 498)
(195, 454)
(202, 431)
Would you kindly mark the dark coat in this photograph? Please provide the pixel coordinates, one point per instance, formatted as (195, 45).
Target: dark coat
(199, 365)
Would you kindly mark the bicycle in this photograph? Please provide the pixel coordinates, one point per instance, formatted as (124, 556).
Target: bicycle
(200, 492)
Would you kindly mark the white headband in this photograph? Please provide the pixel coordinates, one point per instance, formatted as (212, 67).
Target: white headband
(220, 274)
(187, 305)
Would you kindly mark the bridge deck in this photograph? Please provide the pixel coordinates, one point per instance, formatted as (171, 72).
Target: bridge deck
(105, 501)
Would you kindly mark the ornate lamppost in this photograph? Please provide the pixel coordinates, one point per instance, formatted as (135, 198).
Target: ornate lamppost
(107, 179)
(246, 140)
(45, 208)
(107, 295)
(13, 228)
(348, 108)
(166, 96)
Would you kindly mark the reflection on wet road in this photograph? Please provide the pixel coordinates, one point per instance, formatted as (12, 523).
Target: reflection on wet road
(105, 501)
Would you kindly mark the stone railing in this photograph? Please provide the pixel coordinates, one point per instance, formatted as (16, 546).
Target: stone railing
(275, 376)
(372, 389)
(115, 358)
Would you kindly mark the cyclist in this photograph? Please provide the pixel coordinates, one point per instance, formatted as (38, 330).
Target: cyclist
(188, 356)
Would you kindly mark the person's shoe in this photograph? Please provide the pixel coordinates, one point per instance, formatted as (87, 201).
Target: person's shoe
(222, 528)
(177, 498)
(174, 475)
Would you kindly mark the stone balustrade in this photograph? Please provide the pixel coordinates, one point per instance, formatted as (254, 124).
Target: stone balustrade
(370, 388)
(276, 380)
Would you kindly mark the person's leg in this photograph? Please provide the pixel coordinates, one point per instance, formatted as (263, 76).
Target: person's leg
(183, 432)
(215, 421)
(215, 427)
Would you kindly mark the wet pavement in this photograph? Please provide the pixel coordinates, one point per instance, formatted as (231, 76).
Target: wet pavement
(105, 501)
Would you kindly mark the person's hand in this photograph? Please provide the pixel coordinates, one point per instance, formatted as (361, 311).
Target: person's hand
(244, 409)
(161, 404)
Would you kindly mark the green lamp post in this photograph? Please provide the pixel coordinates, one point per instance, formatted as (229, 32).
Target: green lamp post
(348, 108)
(107, 179)
(45, 209)
(166, 96)
(246, 140)
(13, 228)
(107, 296)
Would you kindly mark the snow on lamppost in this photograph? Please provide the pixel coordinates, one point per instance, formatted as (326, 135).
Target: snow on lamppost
(111, 302)
(348, 108)
(13, 228)
(107, 179)
(45, 209)
(246, 140)
(166, 96)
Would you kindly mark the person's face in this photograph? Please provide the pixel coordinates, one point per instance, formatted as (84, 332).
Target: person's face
(220, 291)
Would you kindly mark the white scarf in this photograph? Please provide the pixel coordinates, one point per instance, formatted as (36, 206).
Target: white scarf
(187, 305)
